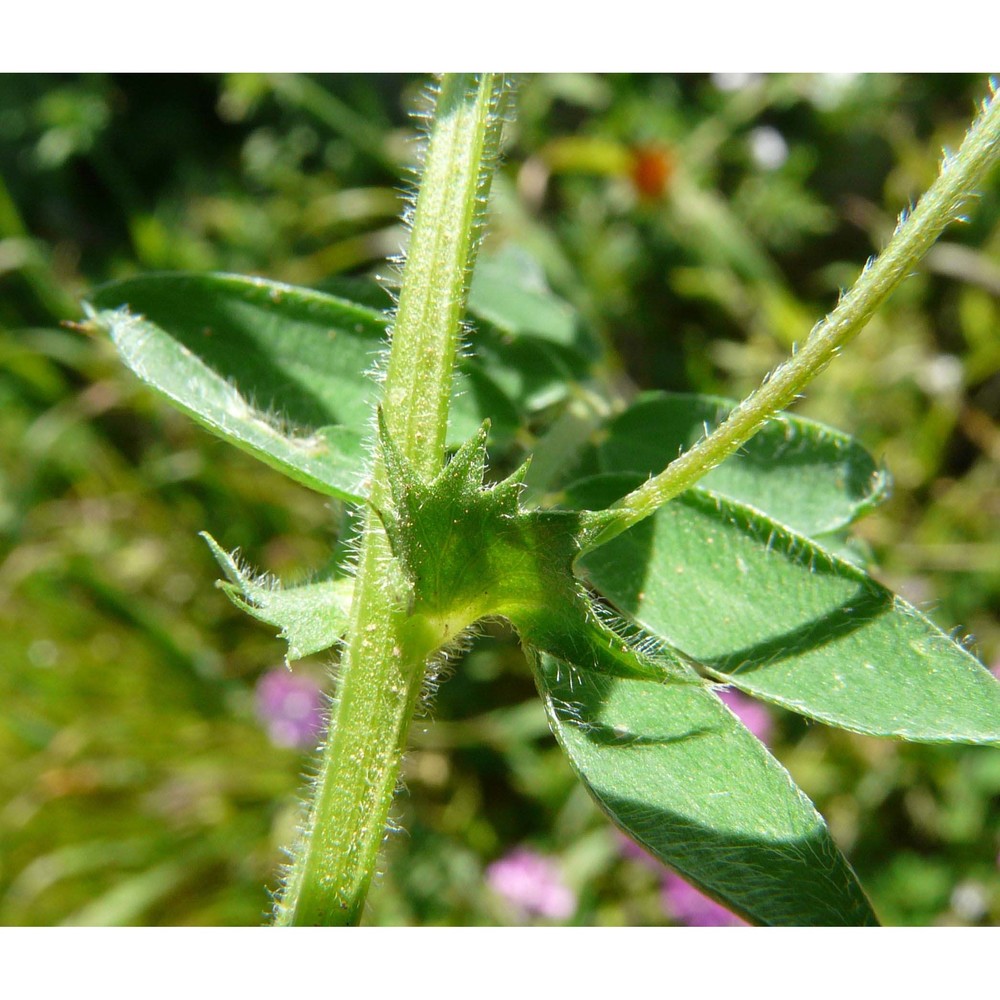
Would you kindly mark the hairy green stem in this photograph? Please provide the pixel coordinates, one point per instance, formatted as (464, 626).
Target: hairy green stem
(944, 201)
(445, 233)
(386, 650)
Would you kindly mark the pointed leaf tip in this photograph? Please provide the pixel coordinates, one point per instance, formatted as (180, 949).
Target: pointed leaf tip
(676, 770)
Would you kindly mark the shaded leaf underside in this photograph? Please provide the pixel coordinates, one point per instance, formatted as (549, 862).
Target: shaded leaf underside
(678, 772)
(780, 618)
(803, 474)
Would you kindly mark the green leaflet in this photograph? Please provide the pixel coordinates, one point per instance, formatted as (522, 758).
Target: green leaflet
(802, 473)
(284, 372)
(678, 772)
(252, 361)
(328, 459)
(532, 343)
(509, 291)
(527, 370)
(782, 619)
(311, 617)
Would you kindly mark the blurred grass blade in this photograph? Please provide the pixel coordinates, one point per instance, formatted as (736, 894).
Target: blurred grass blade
(64, 863)
(784, 620)
(678, 772)
(805, 475)
(311, 617)
(127, 902)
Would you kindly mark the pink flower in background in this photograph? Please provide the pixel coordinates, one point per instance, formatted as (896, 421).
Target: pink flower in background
(681, 901)
(688, 906)
(634, 852)
(532, 883)
(750, 712)
(291, 706)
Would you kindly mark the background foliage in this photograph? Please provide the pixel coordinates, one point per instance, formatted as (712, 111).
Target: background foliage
(699, 224)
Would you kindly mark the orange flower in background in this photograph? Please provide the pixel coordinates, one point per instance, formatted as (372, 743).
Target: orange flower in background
(651, 169)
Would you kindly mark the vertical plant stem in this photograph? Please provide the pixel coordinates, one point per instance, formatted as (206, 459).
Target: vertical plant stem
(943, 202)
(386, 651)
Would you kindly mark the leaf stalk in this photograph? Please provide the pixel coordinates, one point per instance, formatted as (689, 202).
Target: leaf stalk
(960, 176)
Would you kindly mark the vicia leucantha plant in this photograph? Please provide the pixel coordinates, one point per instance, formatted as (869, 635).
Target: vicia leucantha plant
(640, 583)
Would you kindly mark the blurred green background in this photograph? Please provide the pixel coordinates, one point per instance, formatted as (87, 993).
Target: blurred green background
(699, 224)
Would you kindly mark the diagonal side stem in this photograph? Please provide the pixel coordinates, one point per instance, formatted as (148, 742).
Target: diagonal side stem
(943, 203)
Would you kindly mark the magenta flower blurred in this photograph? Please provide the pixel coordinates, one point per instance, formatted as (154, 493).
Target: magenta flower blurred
(750, 712)
(291, 707)
(688, 906)
(532, 883)
(681, 901)
(634, 852)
